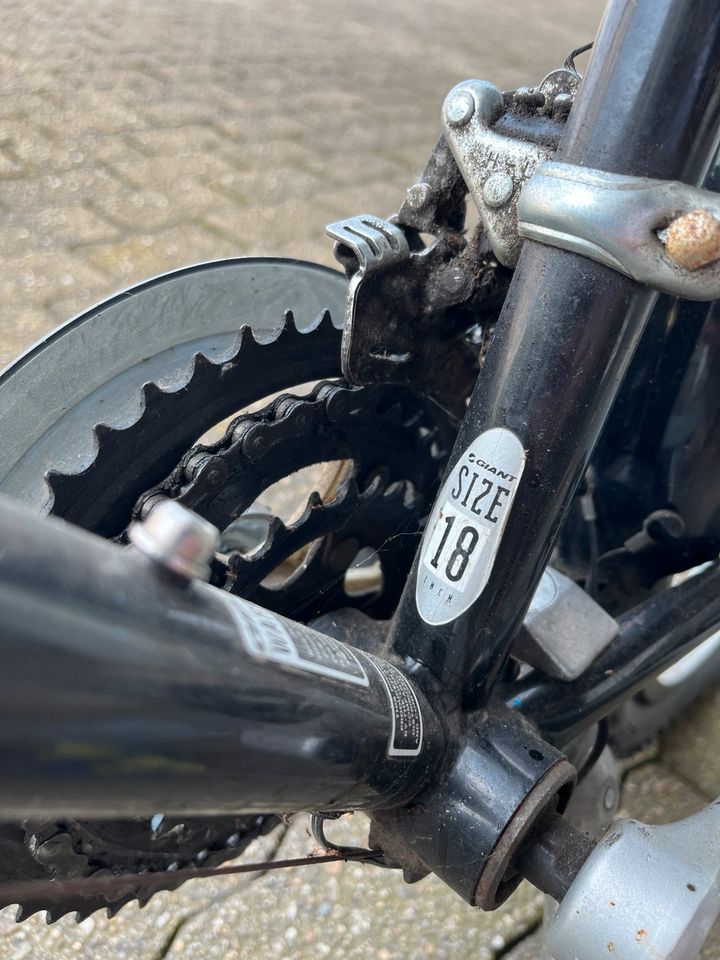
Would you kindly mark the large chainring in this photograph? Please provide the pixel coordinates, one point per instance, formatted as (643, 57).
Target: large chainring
(389, 447)
(67, 849)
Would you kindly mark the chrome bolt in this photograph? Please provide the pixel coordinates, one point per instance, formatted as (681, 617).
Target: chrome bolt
(177, 539)
(459, 107)
(498, 189)
(418, 195)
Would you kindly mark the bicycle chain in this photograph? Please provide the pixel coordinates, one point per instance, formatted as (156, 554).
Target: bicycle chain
(379, 505)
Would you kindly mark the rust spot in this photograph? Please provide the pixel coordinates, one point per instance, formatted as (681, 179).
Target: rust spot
(693, 239)
(612, 838)
(640, 934)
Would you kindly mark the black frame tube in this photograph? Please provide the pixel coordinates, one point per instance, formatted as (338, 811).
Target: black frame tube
(568, 329)
(652, 636)
(126, 690)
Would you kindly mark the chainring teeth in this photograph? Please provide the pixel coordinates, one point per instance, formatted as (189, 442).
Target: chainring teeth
(318, 517)
(396, 442)
(385, 519)
(69, 493)
(69, 848)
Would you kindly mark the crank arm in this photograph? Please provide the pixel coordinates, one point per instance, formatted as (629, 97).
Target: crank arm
(644, 891)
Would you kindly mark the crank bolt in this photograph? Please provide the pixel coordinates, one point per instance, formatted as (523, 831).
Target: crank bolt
(459, 107)
(610, 798)
(177, 539)
(693, 239)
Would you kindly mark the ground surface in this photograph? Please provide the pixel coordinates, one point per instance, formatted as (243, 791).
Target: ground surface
(140, 136)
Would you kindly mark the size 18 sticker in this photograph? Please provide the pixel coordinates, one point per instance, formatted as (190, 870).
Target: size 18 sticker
(465, 529)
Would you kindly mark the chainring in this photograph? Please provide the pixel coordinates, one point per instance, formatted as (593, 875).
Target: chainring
(65, 849)
(394, 446)
(134, 445)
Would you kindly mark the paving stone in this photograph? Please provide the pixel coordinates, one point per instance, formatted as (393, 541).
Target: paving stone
(133, 259)
(36, 151)
(654, 794)
(181, 141)
(149, 208)
(71, 225)
(24, 195)
(690, 747)
(40, 275)
(28, 325)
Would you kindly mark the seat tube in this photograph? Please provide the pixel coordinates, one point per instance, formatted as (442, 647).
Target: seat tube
(648, 106)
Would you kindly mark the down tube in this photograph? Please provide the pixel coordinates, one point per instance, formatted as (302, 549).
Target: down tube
(562, 345)
(124, 691)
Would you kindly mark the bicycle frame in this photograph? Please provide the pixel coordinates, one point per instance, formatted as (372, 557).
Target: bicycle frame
(148, 694)
(569, 327)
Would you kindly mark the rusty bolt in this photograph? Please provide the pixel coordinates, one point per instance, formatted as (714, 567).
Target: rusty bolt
(693, 239)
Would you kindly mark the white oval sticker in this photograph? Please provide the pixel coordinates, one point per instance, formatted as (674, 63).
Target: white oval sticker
(465, 529)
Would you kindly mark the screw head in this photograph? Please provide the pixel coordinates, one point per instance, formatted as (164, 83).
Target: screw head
(459, 107)
(177, 539)
(498, 189)
(418, 195)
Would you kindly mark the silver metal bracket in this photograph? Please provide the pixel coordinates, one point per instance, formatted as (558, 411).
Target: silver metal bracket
(564, 628)
(377, 245)
(662, 233)
(620, 221)
(374, 242)
(494, 166)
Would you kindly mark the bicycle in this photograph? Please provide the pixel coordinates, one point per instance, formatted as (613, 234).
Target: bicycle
(523, 491)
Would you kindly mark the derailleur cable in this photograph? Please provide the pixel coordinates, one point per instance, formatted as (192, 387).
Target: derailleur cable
(119, 885)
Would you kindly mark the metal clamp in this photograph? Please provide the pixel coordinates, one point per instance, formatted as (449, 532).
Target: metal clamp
(620, 221)
(493, 165)
(374, 242)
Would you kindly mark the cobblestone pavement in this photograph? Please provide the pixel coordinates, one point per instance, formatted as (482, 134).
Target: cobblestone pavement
(140, 136)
